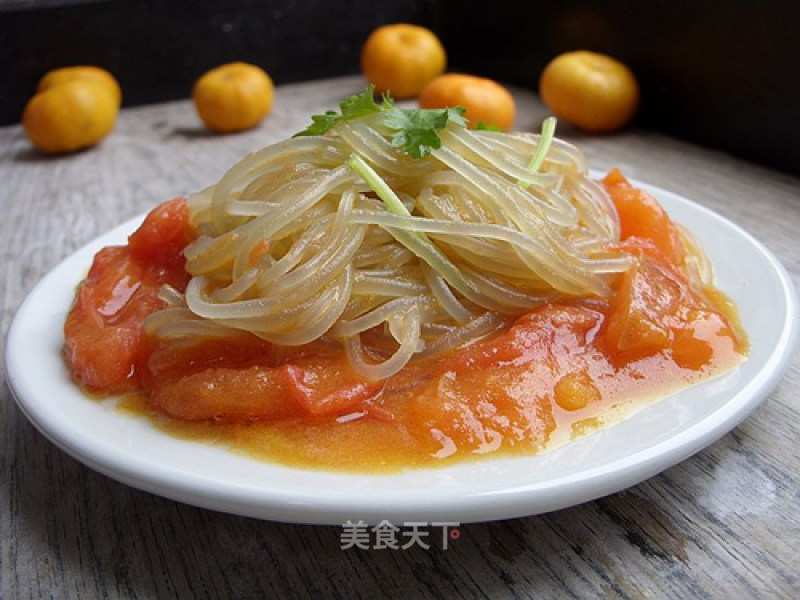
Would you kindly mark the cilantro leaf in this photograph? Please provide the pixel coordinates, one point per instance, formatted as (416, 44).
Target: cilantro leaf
(481, 126)
(456, 115)
(353, 107)
(359, 105)
(321, 124)
(417, 128)
(387, 101)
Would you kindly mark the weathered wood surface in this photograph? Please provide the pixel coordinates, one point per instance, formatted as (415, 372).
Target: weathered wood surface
(723, 524)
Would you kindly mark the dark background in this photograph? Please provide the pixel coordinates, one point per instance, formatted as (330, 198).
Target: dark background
(724, 74)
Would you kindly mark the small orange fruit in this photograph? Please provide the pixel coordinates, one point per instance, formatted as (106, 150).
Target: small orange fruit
(402, 59)
(69, 116)
(486, 101)
(592, 91)
(64, 74)
(233, 97)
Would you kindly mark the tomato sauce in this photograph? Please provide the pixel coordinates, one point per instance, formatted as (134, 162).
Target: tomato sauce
(549, 376)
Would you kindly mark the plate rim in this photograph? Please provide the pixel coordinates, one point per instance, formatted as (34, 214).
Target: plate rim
(552, 494)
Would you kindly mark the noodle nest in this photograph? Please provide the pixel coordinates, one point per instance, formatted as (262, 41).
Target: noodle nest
(295, 244)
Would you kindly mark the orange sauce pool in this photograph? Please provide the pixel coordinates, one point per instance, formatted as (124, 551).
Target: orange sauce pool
(559, 372)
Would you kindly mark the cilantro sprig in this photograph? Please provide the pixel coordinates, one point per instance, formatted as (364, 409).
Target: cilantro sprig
(359, 105)
(417, 130)
(414, 130)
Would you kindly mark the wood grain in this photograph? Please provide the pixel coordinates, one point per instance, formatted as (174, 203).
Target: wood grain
(721, 524)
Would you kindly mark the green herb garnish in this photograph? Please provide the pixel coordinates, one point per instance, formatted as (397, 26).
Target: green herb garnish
(364, 104)
(545, 139)
(360, 105)
(415, 130)
(321, 124)
(378, 185)
(481, 126)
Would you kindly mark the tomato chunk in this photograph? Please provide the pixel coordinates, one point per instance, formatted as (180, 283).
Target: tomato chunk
(103, 331)
(655, 309)
(642, 216)
(194, 385)
(228, 395)
(160, 240)
(529, 338)
(637, 322)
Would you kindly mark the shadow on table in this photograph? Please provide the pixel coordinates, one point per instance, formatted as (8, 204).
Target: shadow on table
(191, 133)
(202, 133)
(31, 155)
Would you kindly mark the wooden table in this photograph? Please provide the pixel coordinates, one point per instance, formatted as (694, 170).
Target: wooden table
(725, 523)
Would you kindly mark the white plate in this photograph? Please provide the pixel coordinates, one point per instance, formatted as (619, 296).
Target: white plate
(130, 450)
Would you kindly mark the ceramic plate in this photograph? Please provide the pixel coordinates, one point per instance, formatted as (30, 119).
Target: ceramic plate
(130, 450)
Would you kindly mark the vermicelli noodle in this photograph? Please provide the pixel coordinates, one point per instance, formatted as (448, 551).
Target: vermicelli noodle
(295, 244)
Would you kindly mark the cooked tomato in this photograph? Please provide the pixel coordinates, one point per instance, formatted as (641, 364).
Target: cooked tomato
(240, 381)
(103, 331)
(160, 240)
(642, 216)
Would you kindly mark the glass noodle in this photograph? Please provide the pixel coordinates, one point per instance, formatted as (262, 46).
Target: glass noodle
(295, 245)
